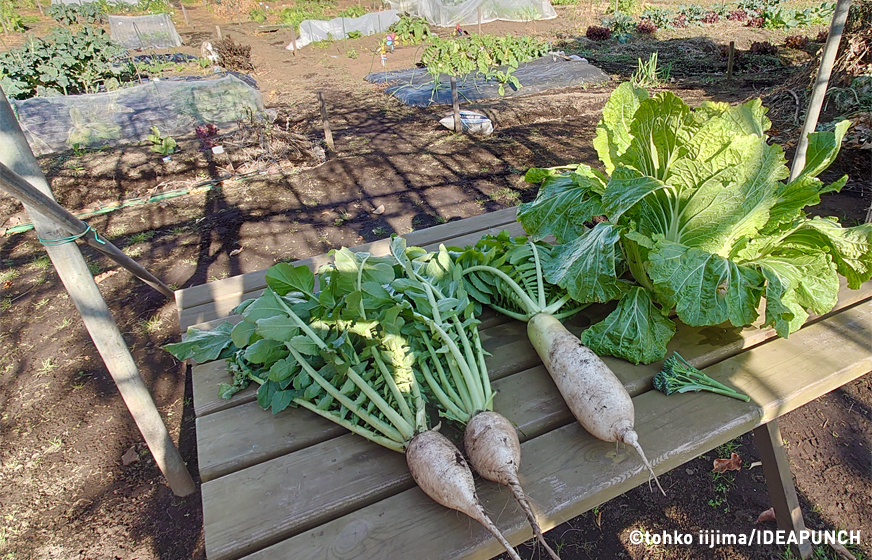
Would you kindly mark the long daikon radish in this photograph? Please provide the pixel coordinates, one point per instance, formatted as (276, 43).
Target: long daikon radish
(507, 274)
(593, 393)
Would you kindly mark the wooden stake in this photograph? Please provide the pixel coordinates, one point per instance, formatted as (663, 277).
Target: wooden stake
(18, 187)
(458, 127)
(730, 57)
(39, 7)
(328, 135)
(479, 20)
(104, 332)
(293, 41)
(218, 29)
(185, 14)
(819, 90)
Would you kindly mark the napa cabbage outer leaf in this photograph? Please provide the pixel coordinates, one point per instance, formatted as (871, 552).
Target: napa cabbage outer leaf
(695, 216)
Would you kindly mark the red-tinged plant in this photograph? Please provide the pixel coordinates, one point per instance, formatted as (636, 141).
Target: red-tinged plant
(206, 134)
(680, 21)
(597, 33)
(764, 47)
(797, 42)
(646, 27)
(738, 15)
(710, 17)
(755, 22)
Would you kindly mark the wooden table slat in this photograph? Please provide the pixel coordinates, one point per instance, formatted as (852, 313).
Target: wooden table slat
(525, 401)
(566, 471)
(511, 353)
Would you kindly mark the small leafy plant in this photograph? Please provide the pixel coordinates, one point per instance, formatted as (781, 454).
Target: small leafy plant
(163, 145)
(763, 48)
(678, 376)
(598, 33)
(646, 27)
(621, 25)
(206, 134)
(797, 42)
(411, 30)
(710, 17)
(353, 11)
(700, 221)
(647, 74)
(660, 17)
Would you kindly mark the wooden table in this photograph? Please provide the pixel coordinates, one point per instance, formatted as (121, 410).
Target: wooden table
(296, 486)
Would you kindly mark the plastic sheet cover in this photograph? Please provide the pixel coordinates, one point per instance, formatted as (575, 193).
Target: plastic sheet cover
(175, 106)
(144, 32)
(448, 13)
(417, 88)
(312, 30)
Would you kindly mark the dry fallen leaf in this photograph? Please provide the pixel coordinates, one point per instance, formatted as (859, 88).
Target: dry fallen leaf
(734, 463)
(379, 210)
(235, 252)
(7, 284)
(104, 275)
(130, 457)
(768, 515)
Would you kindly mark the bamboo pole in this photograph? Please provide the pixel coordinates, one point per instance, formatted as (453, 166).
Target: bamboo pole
(104, 332)
(293, 40)
(18, 187)
(828, 58)
(184, 13)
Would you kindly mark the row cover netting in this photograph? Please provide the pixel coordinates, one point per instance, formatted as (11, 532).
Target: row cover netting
(448, 13)
(416, 86)
(175, 106)
(312, 30)
(143, 32)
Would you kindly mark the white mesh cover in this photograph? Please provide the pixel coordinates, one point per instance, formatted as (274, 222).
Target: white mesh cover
(448, 13)
(176, 107)
(144, 32)
(312, 30)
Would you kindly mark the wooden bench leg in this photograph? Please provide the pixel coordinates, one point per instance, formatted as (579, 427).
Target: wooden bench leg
(779, 481)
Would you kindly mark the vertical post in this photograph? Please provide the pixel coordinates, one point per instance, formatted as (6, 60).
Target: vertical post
(293, 40)
(779, 481)
(828, 57)
(218, 30)
(184, 13)
(328, 135)
(730, 58)
(77, 279)
(39, 7)
(479, 20)
(456, 106)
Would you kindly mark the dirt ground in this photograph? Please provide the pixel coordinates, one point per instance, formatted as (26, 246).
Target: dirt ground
(66, 493)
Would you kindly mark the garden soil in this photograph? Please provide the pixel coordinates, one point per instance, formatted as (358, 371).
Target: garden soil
(76, 480)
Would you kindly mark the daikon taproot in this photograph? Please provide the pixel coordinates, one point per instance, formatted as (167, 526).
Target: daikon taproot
(507, 274)
(452, 362)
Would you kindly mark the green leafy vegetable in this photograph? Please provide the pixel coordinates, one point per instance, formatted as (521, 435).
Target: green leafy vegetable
(678, 376)
(204, 346)
(701, 219)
